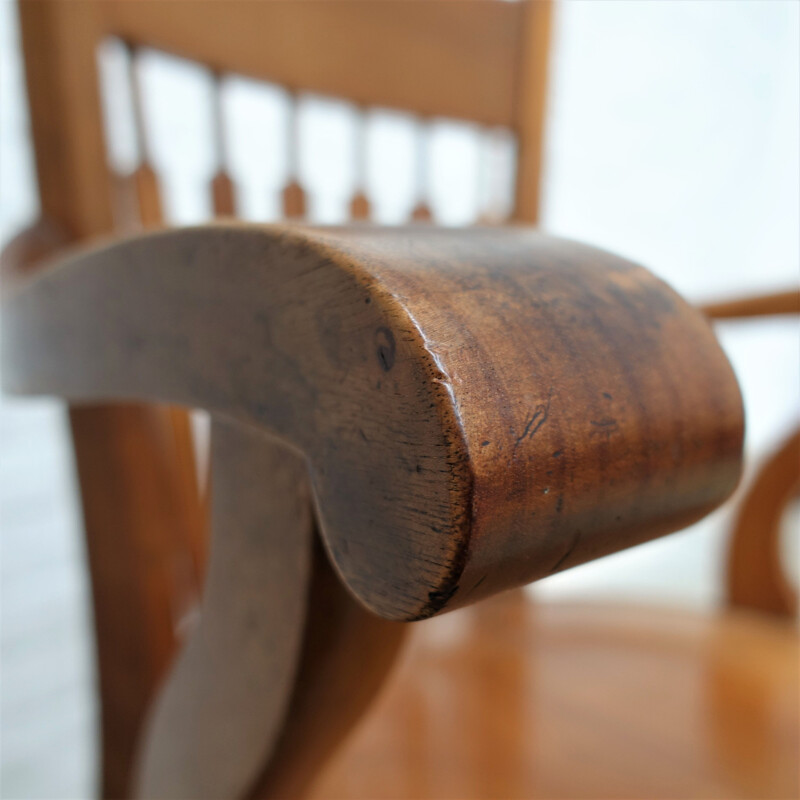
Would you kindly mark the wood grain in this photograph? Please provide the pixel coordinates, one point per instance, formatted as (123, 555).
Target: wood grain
(479, 408)
(519, 698)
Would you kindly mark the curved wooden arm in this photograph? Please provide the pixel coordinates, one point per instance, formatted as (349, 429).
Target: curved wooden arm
(478, 408)
(283, 660)
(756, 578)
(755, 575)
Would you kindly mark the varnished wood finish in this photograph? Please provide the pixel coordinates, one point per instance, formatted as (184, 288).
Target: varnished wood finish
(787, 302)
(359, 207)
(479, 408)
(755, 576)
(148, 196)
(146, 569)
(516, 699)
(432, 58)
(294, 201)
(223, 195)
(529, 108)
(59, 43)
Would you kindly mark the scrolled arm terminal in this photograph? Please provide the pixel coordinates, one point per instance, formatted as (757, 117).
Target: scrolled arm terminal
(477, 408)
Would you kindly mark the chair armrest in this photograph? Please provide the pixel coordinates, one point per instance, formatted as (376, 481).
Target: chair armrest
(479, 408)
(475, 409)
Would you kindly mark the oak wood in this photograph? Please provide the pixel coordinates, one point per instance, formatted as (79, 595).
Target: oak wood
(479, 408)
(520, 698)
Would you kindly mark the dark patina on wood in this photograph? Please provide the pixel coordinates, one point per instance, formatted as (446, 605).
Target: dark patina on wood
(478, 408)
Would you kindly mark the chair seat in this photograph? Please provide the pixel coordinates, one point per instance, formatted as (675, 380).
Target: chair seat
(518, 699)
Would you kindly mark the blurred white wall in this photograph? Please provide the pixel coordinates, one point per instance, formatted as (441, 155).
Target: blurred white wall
(673, 140)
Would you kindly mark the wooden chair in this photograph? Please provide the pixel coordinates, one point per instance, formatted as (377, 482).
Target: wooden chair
(422, 499)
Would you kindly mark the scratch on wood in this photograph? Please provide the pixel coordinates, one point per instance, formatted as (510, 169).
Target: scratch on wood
(535, 421)
(575, 539)
(605, 426)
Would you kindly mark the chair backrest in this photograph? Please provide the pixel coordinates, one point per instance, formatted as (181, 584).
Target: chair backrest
(484, 62)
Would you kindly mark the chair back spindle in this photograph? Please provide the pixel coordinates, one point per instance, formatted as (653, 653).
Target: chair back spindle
(359, 203)
(422, 209)
(293, 194)
(144, 179)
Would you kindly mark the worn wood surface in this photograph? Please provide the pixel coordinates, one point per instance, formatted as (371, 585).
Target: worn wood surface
(517, 698)
(227, 695)
(479, 408)
(471, 58)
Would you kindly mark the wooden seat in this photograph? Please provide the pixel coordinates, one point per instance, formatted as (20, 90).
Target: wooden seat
(520, 699)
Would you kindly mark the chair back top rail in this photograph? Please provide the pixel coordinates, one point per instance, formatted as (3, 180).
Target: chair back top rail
(483, 61)
(434, 58)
